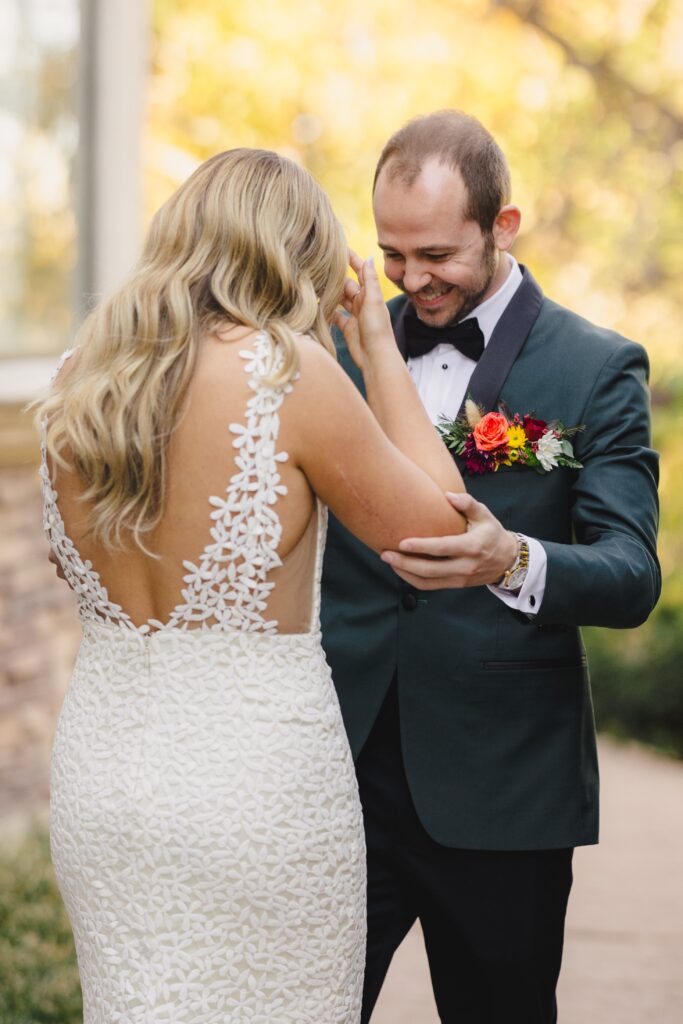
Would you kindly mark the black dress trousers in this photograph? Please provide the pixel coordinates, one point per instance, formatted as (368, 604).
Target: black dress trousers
(493, 921)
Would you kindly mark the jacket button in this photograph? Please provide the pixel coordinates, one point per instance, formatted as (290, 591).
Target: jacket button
(409, 602)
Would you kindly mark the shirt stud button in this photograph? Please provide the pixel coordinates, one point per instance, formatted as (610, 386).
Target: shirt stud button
(444, 366)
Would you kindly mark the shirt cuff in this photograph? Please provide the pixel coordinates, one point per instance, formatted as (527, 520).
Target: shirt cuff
(528, 600)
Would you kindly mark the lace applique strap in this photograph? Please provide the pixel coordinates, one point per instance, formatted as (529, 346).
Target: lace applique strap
(228, 588)
(60, 363)
(91, 595)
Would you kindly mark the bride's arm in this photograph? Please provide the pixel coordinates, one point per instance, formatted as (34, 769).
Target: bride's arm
(375, 486)
(390, 391)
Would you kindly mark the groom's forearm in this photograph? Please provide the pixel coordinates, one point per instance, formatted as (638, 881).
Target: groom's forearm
(611, 576)
(615, 583)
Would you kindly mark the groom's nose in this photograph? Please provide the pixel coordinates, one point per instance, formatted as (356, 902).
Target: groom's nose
(415, 277)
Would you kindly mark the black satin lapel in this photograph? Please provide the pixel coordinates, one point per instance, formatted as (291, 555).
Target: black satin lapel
(505, 344)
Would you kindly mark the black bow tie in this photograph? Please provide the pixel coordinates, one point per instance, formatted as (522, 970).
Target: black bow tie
(421, 338)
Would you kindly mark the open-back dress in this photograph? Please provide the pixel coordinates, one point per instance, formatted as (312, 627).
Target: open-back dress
(205, 824)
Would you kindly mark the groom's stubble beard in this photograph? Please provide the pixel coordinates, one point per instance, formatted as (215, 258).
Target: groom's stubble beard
(470, 298)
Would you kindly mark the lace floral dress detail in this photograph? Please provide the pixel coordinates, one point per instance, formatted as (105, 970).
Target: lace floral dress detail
(206, 829)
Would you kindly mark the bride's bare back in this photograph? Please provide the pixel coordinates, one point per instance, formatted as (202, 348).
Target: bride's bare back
(335, 449)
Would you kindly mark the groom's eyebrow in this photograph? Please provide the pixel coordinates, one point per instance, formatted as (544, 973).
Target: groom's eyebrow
(423, 249)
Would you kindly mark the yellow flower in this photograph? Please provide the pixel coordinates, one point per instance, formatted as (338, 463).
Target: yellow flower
(516, 437)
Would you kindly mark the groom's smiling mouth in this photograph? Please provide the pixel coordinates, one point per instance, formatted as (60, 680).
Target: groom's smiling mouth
(430, 299)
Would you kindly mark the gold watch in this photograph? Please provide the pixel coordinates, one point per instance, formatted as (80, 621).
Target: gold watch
(513, 578)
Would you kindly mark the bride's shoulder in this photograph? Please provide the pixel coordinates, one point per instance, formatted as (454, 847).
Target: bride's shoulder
(315, 359)
(321, 388)
(319, 377)
(316, 370)
(65, 364)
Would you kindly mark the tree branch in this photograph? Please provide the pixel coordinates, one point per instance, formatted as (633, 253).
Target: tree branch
(600, 70)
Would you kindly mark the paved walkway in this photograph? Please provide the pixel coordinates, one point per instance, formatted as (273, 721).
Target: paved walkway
(623, 961)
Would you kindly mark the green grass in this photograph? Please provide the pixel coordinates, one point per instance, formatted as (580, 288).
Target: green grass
(38, 974)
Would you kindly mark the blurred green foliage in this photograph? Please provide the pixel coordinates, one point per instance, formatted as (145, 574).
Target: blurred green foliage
(38, 974)
(586, 101)
(637, 689)
(636, 674)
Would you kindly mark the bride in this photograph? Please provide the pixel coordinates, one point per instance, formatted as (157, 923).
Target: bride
(205, 824)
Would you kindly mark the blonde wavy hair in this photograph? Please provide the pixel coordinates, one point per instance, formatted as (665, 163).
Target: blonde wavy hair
(250, 238)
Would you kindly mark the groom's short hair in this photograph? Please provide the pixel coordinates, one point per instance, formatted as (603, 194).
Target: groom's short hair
(461, 142)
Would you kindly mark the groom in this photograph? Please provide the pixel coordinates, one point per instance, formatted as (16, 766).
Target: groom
(458, 661)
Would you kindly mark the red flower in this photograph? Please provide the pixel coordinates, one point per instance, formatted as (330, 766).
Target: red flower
(491, 432)
(476, 466)
(475, 460)
(534, 429)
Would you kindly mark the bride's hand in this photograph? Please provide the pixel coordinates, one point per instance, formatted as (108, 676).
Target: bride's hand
(365, 324)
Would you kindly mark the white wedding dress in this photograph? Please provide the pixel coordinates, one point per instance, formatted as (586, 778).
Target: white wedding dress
(205, 824)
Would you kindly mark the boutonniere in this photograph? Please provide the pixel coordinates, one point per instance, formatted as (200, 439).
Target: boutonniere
(487, 441)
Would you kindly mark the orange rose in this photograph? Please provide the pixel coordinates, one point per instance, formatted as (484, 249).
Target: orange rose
(491, 432)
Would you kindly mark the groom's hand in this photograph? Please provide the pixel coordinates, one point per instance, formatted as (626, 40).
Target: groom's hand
(472, 559)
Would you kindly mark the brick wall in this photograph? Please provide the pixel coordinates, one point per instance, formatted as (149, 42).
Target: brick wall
(39, 634)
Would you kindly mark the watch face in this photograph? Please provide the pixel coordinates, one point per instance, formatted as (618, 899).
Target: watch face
(515, 580)
(518, 573)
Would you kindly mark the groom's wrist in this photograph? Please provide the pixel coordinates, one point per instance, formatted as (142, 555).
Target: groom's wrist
(513, 544)
(514, 576)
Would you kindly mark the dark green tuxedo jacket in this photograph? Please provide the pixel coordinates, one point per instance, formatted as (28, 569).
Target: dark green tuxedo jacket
(496, 717)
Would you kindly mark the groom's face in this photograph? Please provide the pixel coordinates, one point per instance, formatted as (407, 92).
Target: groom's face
(443, 261)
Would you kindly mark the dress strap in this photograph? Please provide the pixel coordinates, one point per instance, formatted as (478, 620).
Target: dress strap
(60, 363)
(228, 588)
(91, 595)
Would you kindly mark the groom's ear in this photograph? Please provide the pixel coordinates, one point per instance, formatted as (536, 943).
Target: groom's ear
(506, 226)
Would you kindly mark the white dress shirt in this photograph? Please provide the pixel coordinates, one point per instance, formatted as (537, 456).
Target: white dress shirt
(442, 377)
